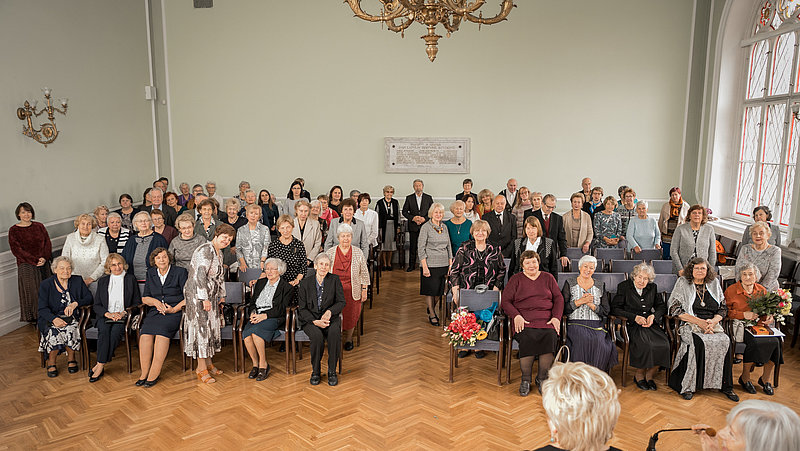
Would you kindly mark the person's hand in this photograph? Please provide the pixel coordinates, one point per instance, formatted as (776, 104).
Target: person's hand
(321, 323)
(426, 272)
(585, 250)
(658, 246)
(41, 262)
(519, 323)
(592, 306)
(707, 443)
(607, 240)
(326, 316)
(556, 323)
(252, 282)
(614, 241)
(750, 315)
(364, 294)
(59, 323)
(222, 300)
(242, 266)
(565, 260)
(640, 320)
(650, 320)
(587, 298)
(262, 265)
(70, 308)
(293, 282)
(162, 307)
(769, 320)
(207, 305)
(88, 281)
(680, 273)
(637, 249)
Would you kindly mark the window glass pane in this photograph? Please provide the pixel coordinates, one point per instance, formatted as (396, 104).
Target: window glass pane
(788, 190)
(768, 193)
(758, 70)
(773, 133)
(744, 194)
(782, 64)
(752, 125)
(747, 160)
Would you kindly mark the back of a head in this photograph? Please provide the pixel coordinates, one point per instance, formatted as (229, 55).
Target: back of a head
(582, 404)
(766, 426)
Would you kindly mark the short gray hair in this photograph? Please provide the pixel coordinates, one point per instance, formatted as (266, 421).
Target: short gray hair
(642, 202)
(243, 183)
(321, 256)
(280, 264)
(211, 182)
(418, 180)
(354, 192)
(136, 218)
(644, 268)
(587, 259)
(343, 228)
(183, 184)
(315, 203)
(113, 214)
(59, 259)
(248, 191)
(745, 266)
(767, 426)
(157, 189)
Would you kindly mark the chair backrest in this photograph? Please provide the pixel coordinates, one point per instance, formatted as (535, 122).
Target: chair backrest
(563, 276)
(250, 274)
(611, 253)
(475, 301)
(787, 267)
(507, 262)
(665, 282)
(728, 244)
(624, 266)
(234, 292)
(573, 265)
(141, 288)
(649, 254)
(575, 253)
(610, 279)
(662, 266)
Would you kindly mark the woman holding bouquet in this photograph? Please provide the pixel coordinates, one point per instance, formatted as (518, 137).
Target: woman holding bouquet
(764, 351)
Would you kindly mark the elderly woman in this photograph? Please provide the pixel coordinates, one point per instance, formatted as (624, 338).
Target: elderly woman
(116, 236)
(435, 258)
(459, 227)
(627, 209)
(59, 298)
(535, 305)
(205, 292)
(235, 220)
(762, 213)
(184, 245)
(703, 360)
(126, 210)
(100, 215)
(348, 208)
(754, 425)
(141, 245)
(335, 199)
(587, 304)
(185, 195)
(161, 227)
(30, 244)
(607, 225)
(639, 302)
(522, 203)
(269, 211)
(642, 231)
(369, 218)
(534, 240)
(294, 195)
(761, 351)
(163, 293)
(582, 407)
(290, 250)
(765, 256)
(594, 203)
(253, 241)
(470, 209)
(673, 214)
(206, 225)
(86, 250)
(485, 197)
(306, 230)
(350, 265)
(388, 222)
(171, 199)
(578, 227)
(271, 296)
(695, 238)
(117, 290)
(320, 302)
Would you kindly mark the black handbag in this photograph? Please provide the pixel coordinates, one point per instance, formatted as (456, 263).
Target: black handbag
(494, 326)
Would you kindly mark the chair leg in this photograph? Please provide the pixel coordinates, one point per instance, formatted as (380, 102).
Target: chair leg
(128, 352)
(776, 374)
(453, 356)
(796, 329)
(625, 360)
(341, 355)
(500, 367)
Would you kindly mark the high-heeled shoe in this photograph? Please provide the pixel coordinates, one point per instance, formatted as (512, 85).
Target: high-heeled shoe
(98, 377)
(204, 377)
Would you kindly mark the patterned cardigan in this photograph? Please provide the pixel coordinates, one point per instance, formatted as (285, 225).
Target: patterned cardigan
(467, 266)
(359, 274)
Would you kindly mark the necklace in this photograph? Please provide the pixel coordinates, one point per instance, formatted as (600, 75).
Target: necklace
(702, 294)
(437, 229)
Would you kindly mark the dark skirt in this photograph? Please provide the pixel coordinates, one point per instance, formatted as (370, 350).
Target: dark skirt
(267, 330)
(762, 349)
(649, 346)
(589, 343)
(534, 341)
(433, 285)
(157, 324)
(29, 277)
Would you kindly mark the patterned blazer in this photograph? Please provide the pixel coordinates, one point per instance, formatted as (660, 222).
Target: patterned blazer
(252, 255)
(359, 274)
(468, 268)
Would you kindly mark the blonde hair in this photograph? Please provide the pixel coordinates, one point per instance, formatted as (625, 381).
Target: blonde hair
(301, 203)
(85, 217)
(284, 219)
(100, 208)
(232, 202)
(762, 225)
(483, 193)
(434, 207)
(582, 404)
(252, 207)
(138, 215)
(534, 222)
(480, 224)
(111, 257)
(184, 218)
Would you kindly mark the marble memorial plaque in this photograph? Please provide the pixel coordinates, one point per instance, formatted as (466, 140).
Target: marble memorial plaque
(427, 155)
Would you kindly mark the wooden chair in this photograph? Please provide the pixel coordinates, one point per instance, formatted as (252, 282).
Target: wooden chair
(475, 301)
(730, 250)
(299, 336)
(185, 362)
(610, 279)
(665, 283)
(619, 327)
(563, 276)
(82, 319)
(788, 276)
(662, 266)
(573, 265)
(282, 337)
(91, 333)
(624, 266)
(738, 348)
(513, 345)
(234, 297)
(251, 274)
(647, 255)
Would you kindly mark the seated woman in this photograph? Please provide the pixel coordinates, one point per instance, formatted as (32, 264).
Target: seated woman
(458, 226)
(765, 256)
(534, 240)
(642, 232)
(100, 215)
(607, 225)
(161, 227)
(184, 245)
(163, 293)
(271, 296)
(116, 291)
(126, 210)
(533, 303)
(582, 407)
(59, 298)
(253, 242)
(206, 224)
(86, 250)
(754, 425)
(586, 304)
(761, 351)
(350, 265)
(703, 360)
(116, 236)
(139, 247)
(762, 213)
(639, 301)
(578, 227)
(320, 302)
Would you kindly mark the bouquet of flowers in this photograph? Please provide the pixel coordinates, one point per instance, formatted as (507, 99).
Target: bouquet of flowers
(776, 303)
(463, 329)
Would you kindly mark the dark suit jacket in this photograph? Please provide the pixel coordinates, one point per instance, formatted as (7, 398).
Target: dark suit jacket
(332, 298)
(50, 306)
(282, 298)
(557, 232)
(169, 213)
(130, 291)
(383, 215)
(410, 210)
(460, 196)
(502, 235)
(171, 291)
(628, 304)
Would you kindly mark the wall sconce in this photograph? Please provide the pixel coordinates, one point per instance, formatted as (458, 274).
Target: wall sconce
(48, 131)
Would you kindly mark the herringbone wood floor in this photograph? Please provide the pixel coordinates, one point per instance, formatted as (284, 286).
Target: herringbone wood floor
(393, 394)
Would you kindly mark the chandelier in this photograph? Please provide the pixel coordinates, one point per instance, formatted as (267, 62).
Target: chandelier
(400, 14)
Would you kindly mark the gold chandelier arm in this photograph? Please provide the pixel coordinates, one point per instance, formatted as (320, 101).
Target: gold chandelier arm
(452, 23)
(462, 7)
(393, 7)
(391, 25)
(505, 9)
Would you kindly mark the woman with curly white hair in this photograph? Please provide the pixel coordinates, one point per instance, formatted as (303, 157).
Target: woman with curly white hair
(755, 425)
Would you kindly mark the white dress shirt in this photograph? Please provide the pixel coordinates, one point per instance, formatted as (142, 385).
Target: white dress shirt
(370, 219)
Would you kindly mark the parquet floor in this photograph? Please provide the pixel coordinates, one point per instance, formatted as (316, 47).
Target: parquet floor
(393, 394)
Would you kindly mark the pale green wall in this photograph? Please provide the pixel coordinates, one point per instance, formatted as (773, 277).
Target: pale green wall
(269, 91)
(95, 53)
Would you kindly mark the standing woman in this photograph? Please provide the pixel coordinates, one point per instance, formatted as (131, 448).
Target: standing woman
(126, 210)
(458, 226)
(307, 230)
(184, 245)
(139, 247)
(100, 216)
(30, 244)
(369, 218)
(470, 209)
(607, 225)
(59, 298)
(290, 250)
(335, 199)
(294, 195)
(642, 232)
(253, 242)
(485, 197)
(325, 213)
(350, 264)
(765, 256)
(578, 226)
(86, 250)
(673, 214)
(161, 227)
(627, 209)
(521, 204)
(388, 221)
(533, 240)
(269, 211)
(204, 292)
(695, 238)
(206, 225)
(435, 258)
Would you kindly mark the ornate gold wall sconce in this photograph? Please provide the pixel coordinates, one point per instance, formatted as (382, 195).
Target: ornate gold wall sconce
(48, 132)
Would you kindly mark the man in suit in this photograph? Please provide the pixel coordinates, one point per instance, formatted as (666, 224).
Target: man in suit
(504, 226)
(467, 185)
(157, 197)
(586, 188)
(415, 210)
(320, 301)
(510, 193)
(553, 225)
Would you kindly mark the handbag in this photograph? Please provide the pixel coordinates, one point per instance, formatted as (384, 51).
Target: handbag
(227, 315)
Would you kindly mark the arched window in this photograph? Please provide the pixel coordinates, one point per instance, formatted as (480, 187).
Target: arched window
(769, 133)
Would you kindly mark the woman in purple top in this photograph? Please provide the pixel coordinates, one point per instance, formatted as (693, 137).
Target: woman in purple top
(534, 303)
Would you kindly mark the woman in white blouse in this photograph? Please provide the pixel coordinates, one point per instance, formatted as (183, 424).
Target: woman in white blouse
(87, 250)
(370, 218)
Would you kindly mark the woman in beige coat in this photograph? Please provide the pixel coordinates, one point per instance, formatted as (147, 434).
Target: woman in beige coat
(308, 232)
(578, 225)
(348, 262)
(673, 214)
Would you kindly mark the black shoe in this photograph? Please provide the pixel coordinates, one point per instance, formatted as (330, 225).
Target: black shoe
(524, 388)
(253, 373)
(148, 384)
(642, 384)
(652, 384)
(434, 320)
(463, 354)
(348, 346)
(53, 372)
(737, 360)
(538, 385)
(410, 269)
(731, 395)
(98, 377)
(283, 347)
(480, 354)
(333, 380)
(688, 395)
(315, 379)
(747, 386)
(140, 382)
(263, 373)
(72, 369)
(766, 386)
(758, 364)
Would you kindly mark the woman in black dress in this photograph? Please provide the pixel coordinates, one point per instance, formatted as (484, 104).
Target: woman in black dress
(534, 240)
(388, 222)
(163, 293)
(269, 212)
(290, 250)
(638, 301)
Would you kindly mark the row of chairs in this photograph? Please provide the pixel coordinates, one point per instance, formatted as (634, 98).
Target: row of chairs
(624, 266)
